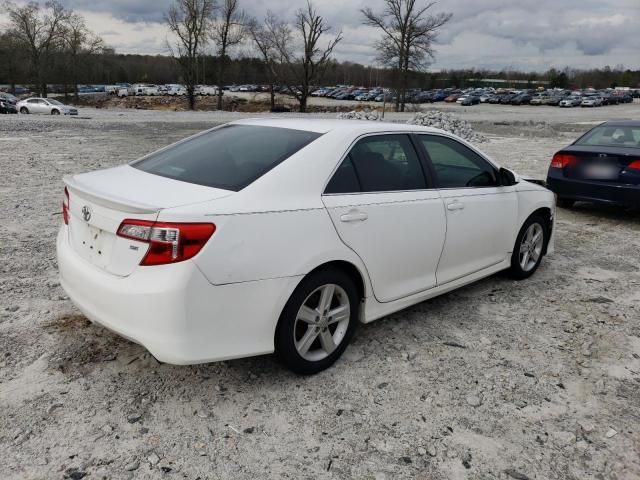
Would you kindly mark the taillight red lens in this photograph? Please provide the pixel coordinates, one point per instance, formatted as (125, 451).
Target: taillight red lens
(635, 165)
(168, 242)
(563, 160)
(65, 207)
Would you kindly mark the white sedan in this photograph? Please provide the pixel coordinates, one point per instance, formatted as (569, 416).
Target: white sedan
(47, 106)
(284, 234)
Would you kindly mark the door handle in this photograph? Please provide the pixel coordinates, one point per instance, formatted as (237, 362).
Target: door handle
(354, 216)
(455, 205)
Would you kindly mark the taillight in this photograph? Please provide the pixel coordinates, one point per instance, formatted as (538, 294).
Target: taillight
(635, 165)
(563, 160)
(168, 242)
(65, 207)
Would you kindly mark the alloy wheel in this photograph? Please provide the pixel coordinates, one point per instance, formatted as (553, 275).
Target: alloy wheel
(322, 322)
(531, 247)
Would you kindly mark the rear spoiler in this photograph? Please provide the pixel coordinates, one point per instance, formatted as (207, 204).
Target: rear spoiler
(107, 200)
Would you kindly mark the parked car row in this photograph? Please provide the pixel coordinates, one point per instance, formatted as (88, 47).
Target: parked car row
(147, 89)
(360, 94)
(469, 97)
(556, 98)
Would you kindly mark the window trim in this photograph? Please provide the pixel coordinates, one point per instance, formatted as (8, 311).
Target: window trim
(428, 181)
(493, 166)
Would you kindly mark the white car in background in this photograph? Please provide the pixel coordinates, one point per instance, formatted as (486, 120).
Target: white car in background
(145, 89)
(206, 90)
(284, 234)
(46, 106)
(175, 90)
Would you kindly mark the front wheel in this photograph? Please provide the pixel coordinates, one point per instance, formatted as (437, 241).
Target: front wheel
(55, 112)
(318, 322)
(24, 111)
(529, 248)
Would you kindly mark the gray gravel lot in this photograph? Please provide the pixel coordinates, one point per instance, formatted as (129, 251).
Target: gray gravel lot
(499, 380)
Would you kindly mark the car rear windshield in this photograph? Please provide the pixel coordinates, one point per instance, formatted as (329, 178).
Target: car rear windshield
(230, 157)
(612, 136)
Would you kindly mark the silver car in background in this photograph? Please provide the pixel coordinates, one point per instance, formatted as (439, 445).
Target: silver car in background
(46, 106)
(591, 101)
(572, 101)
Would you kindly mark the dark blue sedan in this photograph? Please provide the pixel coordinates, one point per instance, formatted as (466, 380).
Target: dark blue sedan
(602, 166)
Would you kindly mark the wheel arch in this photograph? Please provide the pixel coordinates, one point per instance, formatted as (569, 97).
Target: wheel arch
(547, 214)
(350, 269)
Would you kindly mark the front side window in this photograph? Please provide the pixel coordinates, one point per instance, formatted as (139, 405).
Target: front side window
(457, 166)
(381, 163)
(229, 158)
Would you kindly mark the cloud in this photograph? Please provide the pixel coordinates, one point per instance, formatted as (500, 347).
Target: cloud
(483, 33)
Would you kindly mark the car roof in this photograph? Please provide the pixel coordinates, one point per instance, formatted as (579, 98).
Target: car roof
(328, 125)
(622, 123)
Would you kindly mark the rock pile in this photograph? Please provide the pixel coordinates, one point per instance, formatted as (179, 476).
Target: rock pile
(449, 123)
(371, 115)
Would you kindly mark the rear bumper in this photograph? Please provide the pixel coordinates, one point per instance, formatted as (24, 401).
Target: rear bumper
(599, 192)
(173, 311)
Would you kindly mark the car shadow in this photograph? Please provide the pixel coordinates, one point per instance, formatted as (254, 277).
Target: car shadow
(598, 211)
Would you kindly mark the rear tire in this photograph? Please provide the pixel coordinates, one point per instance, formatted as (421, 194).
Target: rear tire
(318, 322)
(529, 248)
(565, 202)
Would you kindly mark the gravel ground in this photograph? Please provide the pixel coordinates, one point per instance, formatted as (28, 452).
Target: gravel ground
(499, 380)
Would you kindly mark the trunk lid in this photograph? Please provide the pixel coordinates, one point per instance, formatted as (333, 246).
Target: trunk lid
(602, 164)
(100, 201)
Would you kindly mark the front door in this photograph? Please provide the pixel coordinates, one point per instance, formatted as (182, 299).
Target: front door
(481, 214)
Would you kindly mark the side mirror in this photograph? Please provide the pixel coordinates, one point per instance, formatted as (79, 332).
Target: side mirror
(507, 178)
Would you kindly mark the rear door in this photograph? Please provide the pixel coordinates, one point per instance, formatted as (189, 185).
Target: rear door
(385, 209)
(481, 214)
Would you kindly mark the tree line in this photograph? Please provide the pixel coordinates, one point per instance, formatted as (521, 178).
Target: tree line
(216, 42)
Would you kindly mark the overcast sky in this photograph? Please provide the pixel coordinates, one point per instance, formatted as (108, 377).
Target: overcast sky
(519, 34)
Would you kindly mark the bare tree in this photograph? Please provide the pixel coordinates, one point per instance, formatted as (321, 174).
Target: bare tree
(308, 64)
(79, 43)
(11, 62)
(263, 36)
(228, 31)
(407, 41)
(188, 21)
(40, 32)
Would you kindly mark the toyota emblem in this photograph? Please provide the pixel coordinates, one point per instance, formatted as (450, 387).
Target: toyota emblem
(86, 213)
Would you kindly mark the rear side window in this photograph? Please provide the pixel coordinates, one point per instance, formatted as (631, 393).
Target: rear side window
(381, 163)
(608, 136)
(229, 158)
(456, 165)
(345, 180)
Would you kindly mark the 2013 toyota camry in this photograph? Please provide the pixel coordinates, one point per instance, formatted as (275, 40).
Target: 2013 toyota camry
(284, 234)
